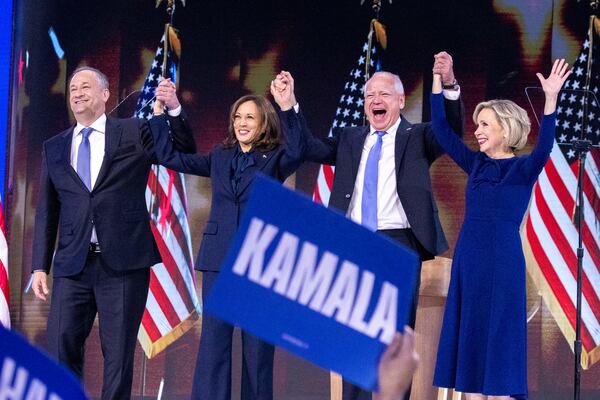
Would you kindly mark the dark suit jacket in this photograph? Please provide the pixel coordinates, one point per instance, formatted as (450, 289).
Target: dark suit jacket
(416, 149)
(226, 208)
(116, 206)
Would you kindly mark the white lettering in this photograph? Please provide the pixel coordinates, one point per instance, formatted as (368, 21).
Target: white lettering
(11, 387)
(252, 253)
(281, 265)
(308, 284)
(341, 296)
(303, 277)
(36, 391)
(385, 316)
(362, 302)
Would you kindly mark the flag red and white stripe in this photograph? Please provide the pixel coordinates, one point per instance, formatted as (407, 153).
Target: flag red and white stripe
(552, 239)
(324, 183)
(4, 290)
(172, 305)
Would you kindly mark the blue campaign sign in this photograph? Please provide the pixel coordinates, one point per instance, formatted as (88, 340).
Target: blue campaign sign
(27, 373)
(311, 281)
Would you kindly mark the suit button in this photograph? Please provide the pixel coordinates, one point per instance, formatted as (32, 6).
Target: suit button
(347, 195)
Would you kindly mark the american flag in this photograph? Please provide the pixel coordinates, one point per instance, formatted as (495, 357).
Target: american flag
(172, 305)
(550, 235)
(4, 292)
(349, 113)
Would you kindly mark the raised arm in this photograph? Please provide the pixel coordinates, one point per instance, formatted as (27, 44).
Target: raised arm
(181, 132)
(282, 90)
(318, 150)
(453, 106)
(443, 132)
(166, 154)
(551, 87)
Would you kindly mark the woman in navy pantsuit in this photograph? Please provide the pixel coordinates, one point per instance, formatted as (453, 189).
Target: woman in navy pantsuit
(258, 141)
(483, 345)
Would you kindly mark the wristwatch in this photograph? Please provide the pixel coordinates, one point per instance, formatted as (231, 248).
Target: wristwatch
(451, 86)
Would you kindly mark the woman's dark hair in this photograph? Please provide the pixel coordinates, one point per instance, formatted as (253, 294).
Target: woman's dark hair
(270, 129)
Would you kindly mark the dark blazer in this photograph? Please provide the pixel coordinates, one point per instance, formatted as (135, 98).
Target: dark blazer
(116, 206)
(416, 149)
(226, 208)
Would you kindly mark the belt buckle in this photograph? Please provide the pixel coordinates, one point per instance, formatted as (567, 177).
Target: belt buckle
(94, 248)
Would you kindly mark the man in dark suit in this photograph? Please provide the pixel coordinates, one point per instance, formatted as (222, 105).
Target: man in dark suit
(92, 193)
(382, 171)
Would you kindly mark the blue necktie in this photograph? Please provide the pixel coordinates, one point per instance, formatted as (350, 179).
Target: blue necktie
(369, 195)
(83, 158)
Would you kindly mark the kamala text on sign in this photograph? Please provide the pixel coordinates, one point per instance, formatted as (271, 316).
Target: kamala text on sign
(317, 286)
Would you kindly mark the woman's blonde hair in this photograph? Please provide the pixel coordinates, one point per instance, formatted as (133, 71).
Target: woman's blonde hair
(512, 118)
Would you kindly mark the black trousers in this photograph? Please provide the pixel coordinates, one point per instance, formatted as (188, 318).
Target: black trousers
(212, 377)
(119, 299)
(408, 239)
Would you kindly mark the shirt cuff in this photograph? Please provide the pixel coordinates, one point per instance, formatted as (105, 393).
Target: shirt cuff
(297, 107)
(175, 112)
(452, 94)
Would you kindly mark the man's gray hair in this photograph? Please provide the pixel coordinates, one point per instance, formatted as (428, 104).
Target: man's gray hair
(102, 79)
(397, 81)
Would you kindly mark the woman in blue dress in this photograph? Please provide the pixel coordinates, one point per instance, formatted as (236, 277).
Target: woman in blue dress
(483, 344)
(258, 141)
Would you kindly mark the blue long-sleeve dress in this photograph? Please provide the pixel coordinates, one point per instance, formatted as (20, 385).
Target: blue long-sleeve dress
(483, 344)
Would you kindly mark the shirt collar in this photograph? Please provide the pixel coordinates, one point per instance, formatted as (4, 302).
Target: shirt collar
(391, 131)
(98, 125)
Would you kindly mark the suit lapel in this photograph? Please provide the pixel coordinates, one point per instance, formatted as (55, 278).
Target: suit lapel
(357, 144)
(112, 138)
(65, 158)
(402, 135)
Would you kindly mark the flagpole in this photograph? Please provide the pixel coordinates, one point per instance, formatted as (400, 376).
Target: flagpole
(376, 8)
(582, 145)
(170, 11)
(164, 71)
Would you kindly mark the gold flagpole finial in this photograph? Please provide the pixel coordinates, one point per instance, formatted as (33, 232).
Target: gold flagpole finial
(170, 5)
(376, 5)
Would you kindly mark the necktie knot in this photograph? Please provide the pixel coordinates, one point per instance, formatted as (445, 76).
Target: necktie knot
(86, 132)
(380, 134)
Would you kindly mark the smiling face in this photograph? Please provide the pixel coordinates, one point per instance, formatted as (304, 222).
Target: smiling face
(383, 101)
(247, 124)
(490, 134)
(87, 97)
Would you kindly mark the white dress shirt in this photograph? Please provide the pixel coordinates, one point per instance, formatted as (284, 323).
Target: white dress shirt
(390, 214)
(97, 141)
